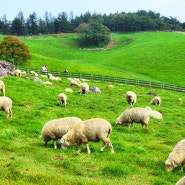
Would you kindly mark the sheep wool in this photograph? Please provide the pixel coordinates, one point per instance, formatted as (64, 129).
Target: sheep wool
(131, 97)
(95, 129)
(84, 88)
(156, 101)
(138, 115)
(176, 157)
(62, 98)
(6, 105)
(55, 129)
(2, 87)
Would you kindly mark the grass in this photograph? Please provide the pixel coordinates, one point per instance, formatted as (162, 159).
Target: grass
(139, 153)
(154, 56)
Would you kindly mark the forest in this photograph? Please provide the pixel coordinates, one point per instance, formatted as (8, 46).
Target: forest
(141, 20)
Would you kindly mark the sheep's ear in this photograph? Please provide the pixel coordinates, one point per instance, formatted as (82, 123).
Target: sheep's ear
(62, 140)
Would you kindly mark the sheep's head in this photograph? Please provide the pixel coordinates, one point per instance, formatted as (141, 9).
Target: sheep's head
(169, 166)
(65, 142)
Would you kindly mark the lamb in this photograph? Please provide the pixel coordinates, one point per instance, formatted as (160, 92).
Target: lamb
(156, 101)
(2, 87)
(95, 129)
(138, 115)
(84, 88)
(181, 181)
(55, 129)
(62, 98)
(131, 97)
(176, 157)
(6, 105)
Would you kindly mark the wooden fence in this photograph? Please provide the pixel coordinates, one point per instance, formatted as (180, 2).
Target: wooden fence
(118, 80)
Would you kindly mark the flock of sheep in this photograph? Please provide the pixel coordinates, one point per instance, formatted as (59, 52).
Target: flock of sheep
(72, 130)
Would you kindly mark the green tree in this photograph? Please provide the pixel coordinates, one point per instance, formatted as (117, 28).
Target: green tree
(13, 50)
(93, 34)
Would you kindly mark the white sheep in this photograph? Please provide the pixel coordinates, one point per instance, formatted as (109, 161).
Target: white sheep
(33, 73)
(17, 72)
(55, 129)
(95, 129)
(6, 105)
(84, 88)
(2, 87)
(181, 181)
(74, 81)
(131, 97)
(62, 98)
(138, 115)
(176, 157)
(156, 101)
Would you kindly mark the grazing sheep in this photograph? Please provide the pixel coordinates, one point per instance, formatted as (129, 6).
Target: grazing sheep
(181, 181)
(2, 87)
(17, 72)
(156, 101)
(95, 129)
(84, 88)
(131, 97)
(176, 157)
(74, 81)
(55, 129)
(6, 105)
(36, 79)
(62, 98)
(138, 115)
(33, 73)
(47, 83)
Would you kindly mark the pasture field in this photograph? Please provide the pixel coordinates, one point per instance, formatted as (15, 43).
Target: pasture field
(153, 56)
(139, 155)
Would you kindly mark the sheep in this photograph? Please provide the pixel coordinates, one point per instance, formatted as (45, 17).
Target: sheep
(17, 72)
(74, 81)
(84, 88)
(6, 105)
(62, 98)
(2, 87)
(47, 83)
(94, 129)
(138, 115)
(33, 73)
(131, 97)
(181, 181)
(55, 129)
(156, 101)
(176, 157)
(69, 90)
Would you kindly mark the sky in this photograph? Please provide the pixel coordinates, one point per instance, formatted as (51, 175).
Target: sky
(167, 8)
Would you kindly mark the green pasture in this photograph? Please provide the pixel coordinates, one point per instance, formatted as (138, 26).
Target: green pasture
(140, 153)
(154, 56)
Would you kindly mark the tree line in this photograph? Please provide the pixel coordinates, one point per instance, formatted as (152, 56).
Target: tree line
(118, 22)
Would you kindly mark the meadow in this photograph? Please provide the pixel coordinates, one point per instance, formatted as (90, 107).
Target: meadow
(140, 153)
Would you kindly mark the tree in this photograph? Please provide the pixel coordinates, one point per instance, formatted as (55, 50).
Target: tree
(13, 50)
(93, 34)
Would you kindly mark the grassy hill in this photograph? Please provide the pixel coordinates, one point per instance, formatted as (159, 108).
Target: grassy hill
(154, 56)
(140, 153)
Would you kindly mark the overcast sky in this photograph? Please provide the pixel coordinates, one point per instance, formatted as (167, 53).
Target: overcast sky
(167, 8)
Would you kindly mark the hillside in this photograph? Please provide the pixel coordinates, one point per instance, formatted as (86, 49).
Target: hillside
(154, 56)
(139, 155)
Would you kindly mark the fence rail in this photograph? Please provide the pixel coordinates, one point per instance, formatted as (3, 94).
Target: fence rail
(118, 80)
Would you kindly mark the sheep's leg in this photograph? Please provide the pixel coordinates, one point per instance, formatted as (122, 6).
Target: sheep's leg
(79, 147)
(55, 144)
(102, 147)
(111, 147)
(10, 113)
(88, 149)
